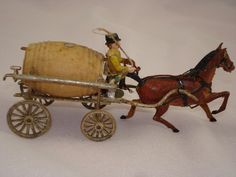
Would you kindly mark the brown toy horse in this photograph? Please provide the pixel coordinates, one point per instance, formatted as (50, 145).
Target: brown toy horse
(197, 81)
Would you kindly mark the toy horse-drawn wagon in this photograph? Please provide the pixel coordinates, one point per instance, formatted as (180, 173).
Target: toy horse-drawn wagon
(66, 71)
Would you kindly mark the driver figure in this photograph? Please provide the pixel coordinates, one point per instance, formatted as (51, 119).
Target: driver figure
(116, 63)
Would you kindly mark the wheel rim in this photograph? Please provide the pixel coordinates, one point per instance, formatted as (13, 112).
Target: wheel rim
(98, 125)
(28, 119)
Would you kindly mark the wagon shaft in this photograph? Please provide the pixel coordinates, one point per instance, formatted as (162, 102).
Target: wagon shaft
(163, 101)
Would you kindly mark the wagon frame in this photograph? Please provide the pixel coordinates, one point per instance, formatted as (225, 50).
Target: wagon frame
(30, 118)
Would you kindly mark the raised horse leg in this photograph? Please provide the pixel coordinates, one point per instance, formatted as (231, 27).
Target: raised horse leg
(205, 107)
(157, 117)
(214, 96)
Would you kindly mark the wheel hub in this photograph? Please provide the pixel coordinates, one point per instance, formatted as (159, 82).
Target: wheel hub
(99, 126)
(28, 120)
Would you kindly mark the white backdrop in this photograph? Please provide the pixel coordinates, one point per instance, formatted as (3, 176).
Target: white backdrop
(164, 37)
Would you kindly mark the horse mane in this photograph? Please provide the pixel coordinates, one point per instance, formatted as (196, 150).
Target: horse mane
(202, 64)
(190, 73)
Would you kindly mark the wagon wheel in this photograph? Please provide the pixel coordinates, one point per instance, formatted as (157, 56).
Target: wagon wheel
(43, 101)
(98, 125)
(91, 105)
(28, 119)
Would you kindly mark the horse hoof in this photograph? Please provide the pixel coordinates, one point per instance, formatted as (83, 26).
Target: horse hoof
(123, 117)
(213, 120)
(175, 130)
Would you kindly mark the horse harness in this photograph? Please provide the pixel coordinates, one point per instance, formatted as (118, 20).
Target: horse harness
(180, 85)
(203, 84)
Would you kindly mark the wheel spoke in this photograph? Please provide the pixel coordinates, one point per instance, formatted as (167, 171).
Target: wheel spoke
(97, 116)
(22, 113)
(108, 124)
(24, 107)
(42, 126)
(98, 134)
(38, 127)
(41, 123)
(40, 112)
(17, 120)
(93, 118)
(90, 129)
(42, 118)
(45, 101)
(88, 125)
(102, 134)
(35, 110)
(41, 101)
(107, 119)
(90, 104)
(19, 124)
(89, 122)
(93, 132)
(22, 128)
(105, 130)
(27, 129)
(29, 109)
(102, 117)
(33, 128)
(17, 115)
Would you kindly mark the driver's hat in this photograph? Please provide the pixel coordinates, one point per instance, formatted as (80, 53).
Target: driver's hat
(112, 38)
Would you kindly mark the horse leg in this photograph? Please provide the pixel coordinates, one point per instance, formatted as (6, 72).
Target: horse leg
(157, 117)
(214, 96)
(131, 111)
(205, 107)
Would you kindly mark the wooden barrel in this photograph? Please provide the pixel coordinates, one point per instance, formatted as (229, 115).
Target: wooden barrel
(64, 61)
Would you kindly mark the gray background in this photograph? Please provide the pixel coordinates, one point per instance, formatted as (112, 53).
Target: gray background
(164, 37)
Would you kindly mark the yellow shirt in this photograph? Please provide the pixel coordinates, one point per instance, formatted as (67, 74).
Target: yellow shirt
(114, 62)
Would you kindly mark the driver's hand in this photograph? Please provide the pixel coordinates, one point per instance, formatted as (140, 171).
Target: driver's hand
(131, 69)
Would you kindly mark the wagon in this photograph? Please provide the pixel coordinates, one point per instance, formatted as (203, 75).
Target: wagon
(30, 117)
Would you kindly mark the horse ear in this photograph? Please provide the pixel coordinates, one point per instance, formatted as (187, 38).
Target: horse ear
(219, 47)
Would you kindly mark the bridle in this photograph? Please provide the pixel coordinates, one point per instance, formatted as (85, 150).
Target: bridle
(224, 60)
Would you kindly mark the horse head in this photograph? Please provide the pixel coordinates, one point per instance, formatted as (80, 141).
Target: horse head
(225, 62)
